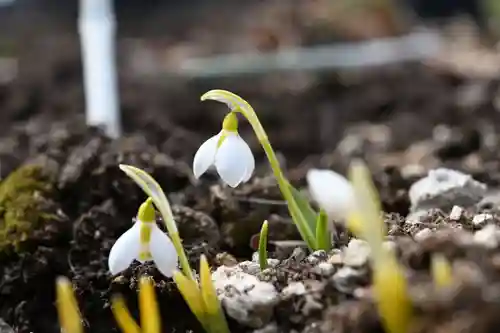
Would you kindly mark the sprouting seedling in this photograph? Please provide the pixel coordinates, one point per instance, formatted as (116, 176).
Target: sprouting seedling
(67, 307)
(144, 241)
(97, 32)
(389, 282)
(148, 307)
(323, 235)
(441, 271)
(238, 169)
(151, 187)
(263, 245)
(202, 299)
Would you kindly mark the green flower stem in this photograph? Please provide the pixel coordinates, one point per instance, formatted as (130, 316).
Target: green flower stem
(183, 260)
(237, 104)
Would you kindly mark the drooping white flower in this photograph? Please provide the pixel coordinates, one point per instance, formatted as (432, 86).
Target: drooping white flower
(144, 241)
(228, 152)
(332, 192)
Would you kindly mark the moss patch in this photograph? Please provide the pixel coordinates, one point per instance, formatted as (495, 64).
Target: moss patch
(23, 205)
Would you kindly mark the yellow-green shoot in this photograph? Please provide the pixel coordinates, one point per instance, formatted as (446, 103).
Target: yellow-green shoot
(148, 309)
(441, 271)
(67, 307)
(200, 297)
(263, 245)
(390, 286)
(299, 208)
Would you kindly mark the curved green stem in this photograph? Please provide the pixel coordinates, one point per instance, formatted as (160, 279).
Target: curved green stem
(237, 104)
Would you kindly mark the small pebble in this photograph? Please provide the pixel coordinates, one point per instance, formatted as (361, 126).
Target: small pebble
(325, 269)
(316, 257)
(293, 289)
(482, 219)
(356, 253)
(423, 234)
(456, 213)
(488, 236)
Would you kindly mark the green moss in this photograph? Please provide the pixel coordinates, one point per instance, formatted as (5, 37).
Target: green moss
(22, 205)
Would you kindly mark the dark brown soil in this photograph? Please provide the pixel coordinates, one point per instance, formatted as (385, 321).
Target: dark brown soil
(94, 202)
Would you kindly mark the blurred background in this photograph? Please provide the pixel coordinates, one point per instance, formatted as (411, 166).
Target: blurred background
(310, 68)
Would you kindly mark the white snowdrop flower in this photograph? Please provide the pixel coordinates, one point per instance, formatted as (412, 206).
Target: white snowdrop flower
(228, 152)
(144, 241)
(332, 192)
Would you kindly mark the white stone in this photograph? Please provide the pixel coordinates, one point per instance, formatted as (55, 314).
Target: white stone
(422, 234)
(442, 187)
(356, 253)
(456, 213)
(488, 236)
(482, 219)
(245, 298)
(294, 289)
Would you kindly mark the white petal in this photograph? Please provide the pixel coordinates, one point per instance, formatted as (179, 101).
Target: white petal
(205, 156)
(232, 160)
(163, 252)
(125, 250)
(250, 160)
(332, 191)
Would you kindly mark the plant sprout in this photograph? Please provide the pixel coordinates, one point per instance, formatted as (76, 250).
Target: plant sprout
(96, 25)
(201, 297)
(302, 214)
(144, 241)
(389, 283)
(441, 271)
(263, 245)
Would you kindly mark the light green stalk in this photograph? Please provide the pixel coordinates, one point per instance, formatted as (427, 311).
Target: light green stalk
(263, 245)
(237, 104)
(323, 236)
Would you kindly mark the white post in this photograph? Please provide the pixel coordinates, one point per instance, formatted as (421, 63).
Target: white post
(97, 37)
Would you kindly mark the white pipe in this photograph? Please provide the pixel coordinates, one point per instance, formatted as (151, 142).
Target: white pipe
(97, 28)
(378, 52)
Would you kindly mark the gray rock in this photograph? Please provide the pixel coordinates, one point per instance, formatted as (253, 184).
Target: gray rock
(456, 213)
(422, 235)
(324, 268)
(245, 298)
(269, 328)
(346, 279)
(443, 188)
(356, 253)
(4, 327)
(293, 289)
(249, 267)
(482, 219)
(489, 236)
(316, 257)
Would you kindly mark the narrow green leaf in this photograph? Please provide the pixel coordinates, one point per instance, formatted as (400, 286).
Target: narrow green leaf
(305, 207)
(323, 235)
(263, 245)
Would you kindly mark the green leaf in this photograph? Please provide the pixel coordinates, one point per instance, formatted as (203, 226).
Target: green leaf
(323, 237)
(263, 245)
(305, 207)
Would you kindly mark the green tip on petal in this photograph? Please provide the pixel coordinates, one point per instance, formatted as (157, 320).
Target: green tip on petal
(147, 211)
(230, 122)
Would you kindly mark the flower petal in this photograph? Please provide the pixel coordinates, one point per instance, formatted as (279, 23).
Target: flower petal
(332, 191)
(250, 166)
(205, 155)
(163, 252)
(232, 160)
(125, 250)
